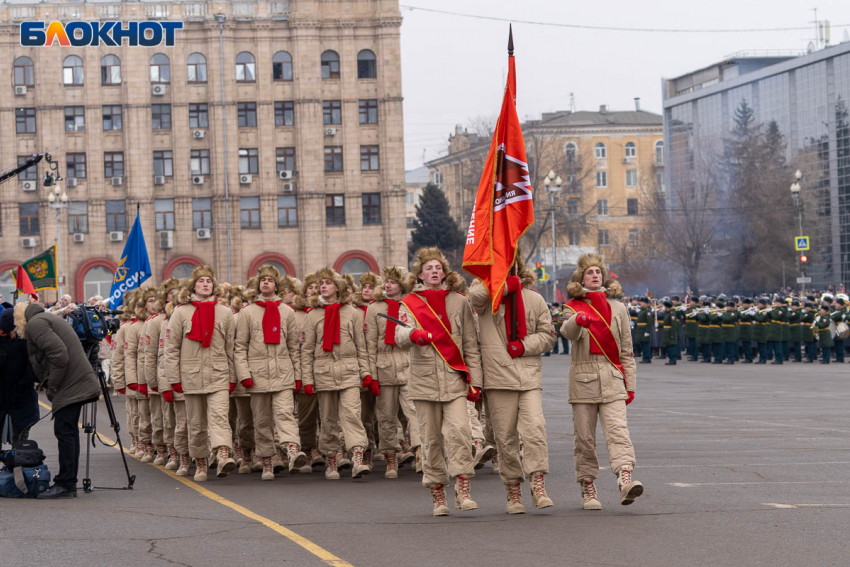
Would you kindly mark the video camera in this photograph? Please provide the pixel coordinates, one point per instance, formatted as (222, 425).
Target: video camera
(93, 325)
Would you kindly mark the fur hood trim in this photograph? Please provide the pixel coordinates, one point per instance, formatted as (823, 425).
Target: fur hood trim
(189, 288)
(169, 309)
(585, 261)
(171, 285)
(453, 281)
(266, 270)
(613, 289)
(20, 320)
(344, 292)
(142, 297)
(395, 273)
(526, 276)
(308, 279)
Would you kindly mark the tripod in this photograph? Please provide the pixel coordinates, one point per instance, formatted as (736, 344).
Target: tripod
(89, 420)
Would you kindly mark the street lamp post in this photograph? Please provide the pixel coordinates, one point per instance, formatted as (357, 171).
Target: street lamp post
(553, 191)
(795, 192)
(58, 200)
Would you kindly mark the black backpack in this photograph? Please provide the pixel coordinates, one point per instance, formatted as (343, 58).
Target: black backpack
(24, 453)
(88, 323)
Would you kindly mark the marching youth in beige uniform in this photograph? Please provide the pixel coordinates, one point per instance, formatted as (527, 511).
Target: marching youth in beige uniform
(174, 432)
(307, 406)
(151, 387)
(240, 413)
(369, 282)
(119, 378)
(135, 383)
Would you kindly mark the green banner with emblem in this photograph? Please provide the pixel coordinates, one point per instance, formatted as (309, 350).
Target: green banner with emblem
(41, 269)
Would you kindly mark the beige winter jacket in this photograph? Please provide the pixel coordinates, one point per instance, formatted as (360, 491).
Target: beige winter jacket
(161, 375)
(272, 367)
(388, 364)
(348, 364)
(594, 380)
(150, 345)
(200, 370)
(431, 379)
(501, 372)
(131, 358)
(116, 367)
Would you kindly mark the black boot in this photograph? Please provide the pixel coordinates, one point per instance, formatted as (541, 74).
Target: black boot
(59, 491)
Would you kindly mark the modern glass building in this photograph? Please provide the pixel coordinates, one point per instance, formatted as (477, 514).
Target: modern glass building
(808, 97)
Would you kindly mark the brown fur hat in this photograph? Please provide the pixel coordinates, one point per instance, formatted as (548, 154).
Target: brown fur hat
(20, 319)
(142, 297)
(171, 285)
(453, 281)
(526, 276)
(395, 273)
(237, 297)
(352, 285)
(368, 278)
(288, 283)
(189, 288)
(267, 270)
(585, 261)
(308, 280)
(128, 305)
(343, 290)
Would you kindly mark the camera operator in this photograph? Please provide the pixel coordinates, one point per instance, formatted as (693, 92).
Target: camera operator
(18, 398)
(61, 365)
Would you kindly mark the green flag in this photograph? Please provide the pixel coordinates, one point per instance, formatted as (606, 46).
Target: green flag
(42, 269)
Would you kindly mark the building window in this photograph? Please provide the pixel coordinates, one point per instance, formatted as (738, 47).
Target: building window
(199, 116)
(437, 177)
(113, 164)
(659, 152)
(330, 65)
(570, 152)
(201, 212)
(199, 162)
(75, 166)
(575, 238)
(332, 112)
(72, 71)
(659, 182)
(285, 159)
(249, 161)
(246, 114)
(183, 270)
(409, 198)
(75, 118)
(160, 69)
(24, 72)
(78, 217)
(369, 158)
(602, 207)
(97, 281)
(634, 237)
(601, 151)
(371, 208)
(602, 237)
(110, 70)
(112, 118)
(631, 150)
(334, 210)
(282, 66)
(368, 111)
(411, 222)
(29, 173)
(287, 213)
(367, 65)
(602, 179)
(572, 207)
(25, 120)
(163, 163)
(284, 113)
(356, 267)
(161, 116)
(196, 67)
(116, 216)
(246, 70)
(333, 158)
(631, 206)
(570, 184)
(164, 211)
(250, 211)
(631, 178)
(28, 215)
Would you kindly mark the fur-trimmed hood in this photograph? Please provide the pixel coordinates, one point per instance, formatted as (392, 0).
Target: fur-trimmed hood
(453, 281)
(188, 290)
(142, 297)
(171, 285)
(368, 278)
(395, 273)
(575, 289)
(526, 276)
(343, 290)
(20, 320)
(266, 270)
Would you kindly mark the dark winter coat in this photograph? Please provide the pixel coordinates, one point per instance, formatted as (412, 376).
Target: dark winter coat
(17, 384)
(59, 359)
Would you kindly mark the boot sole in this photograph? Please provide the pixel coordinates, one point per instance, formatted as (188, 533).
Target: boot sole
(442, 511)
(591, 506)
(635, 491)
(332, 476)
(517, 510)
(299, 462)
(360, 474)
(543, 504)
(485, 456)
(226, 469)
(466, 507)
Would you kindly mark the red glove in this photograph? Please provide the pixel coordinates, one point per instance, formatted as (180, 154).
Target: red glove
(155, 388)
(366, 381)
(298, 385)
(473, 394)
(513, 283)
(178, 387)
(308, 389)
(122, 390)
(168, 396)
(516, 349)
(247, 382)
(143, 390)
(375, 388)
(630, 397)
(232, 387)
(420, 337)
(133, 387)
(583, 320)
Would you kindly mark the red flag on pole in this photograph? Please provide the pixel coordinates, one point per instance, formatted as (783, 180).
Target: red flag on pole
(504, 208)
(23, 282)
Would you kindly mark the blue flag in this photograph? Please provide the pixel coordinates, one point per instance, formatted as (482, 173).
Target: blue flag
(134, 266)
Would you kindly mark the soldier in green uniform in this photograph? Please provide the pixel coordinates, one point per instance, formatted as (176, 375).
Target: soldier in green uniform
(644, 327)
(745, 329)
(703, 340)
(679, 314)
(634, 309)
(729, 331)
(691, 326)
(786, 330)
(774, 330)
(795, 324)
(670, 333)
(808, 336)
(822, 322)
(715, 334)
(761, 325)
(839, 315)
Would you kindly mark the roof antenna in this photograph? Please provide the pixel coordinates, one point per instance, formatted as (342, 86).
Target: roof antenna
(572, 102)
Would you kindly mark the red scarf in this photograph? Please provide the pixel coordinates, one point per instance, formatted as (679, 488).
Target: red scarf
(392, 311)
(331, 329)
(599, 301)
(203, 322)
(521, 326)
(271, 322)
(436, 298)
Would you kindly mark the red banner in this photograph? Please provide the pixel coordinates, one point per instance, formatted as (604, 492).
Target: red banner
(600, 332)
(444, 343)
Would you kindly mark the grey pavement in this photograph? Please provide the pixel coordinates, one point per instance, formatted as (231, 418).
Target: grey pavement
(743, 466)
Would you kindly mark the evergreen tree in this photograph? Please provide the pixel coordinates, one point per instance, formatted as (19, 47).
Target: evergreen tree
(434, 226)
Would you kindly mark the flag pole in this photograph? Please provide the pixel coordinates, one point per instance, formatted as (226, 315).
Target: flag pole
(513, 272)
(140, 227)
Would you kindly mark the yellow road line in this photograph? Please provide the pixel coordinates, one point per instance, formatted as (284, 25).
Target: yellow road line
(316, 550)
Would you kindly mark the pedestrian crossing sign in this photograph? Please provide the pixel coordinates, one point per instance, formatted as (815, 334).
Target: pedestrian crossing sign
(801, 242)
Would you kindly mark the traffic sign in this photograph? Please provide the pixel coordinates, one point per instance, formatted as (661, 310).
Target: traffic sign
(801, 243)
(804, 279)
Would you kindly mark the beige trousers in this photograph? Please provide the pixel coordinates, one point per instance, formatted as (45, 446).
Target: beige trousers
(167, 422)
(155, 404)
(274, 421)
(340, 410)
(516, 415)
(181, 427)
(386, 409)
(367, 416)
(145, 428)
(208, 425)
(132, 406)
(308, 420)
(474, 422)
(615, 428)
(444, 427)
(408, 411)
(244, 429)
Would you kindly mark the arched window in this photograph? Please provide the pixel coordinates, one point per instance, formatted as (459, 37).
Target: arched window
(282, 66)
(631, 150)
(367, 65)
(280, 267)
(110, 70)
(601, 152)
(570, 153)
(196, 67)
(356, 267)
(246, 68)
(659, 152)
(160, 69)
(182, 270)
(97, 281)
(283, 264)
(72, 71)
(330, 65)
(7, 285)
(24, 72)
(356, 263)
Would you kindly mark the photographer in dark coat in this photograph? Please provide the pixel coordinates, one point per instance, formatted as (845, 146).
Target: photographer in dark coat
(63, 369)
(18, 398)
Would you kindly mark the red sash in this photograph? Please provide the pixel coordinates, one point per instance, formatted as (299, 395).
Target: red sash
(444, 343)
(600, 332)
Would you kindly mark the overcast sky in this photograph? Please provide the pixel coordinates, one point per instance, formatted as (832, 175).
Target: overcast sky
(453, 67)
